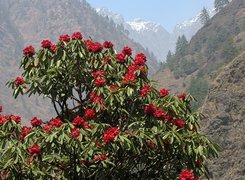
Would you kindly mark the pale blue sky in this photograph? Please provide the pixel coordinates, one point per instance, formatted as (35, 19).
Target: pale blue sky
(166, 12)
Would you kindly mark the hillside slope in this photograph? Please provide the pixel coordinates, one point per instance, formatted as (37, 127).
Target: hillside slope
(29, 22)
(213, 46)
(224, 109)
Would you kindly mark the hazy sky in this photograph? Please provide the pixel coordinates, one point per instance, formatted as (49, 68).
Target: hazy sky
(166, 12)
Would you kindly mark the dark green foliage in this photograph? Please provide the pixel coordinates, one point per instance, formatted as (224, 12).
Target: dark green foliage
(181, 46)
(199, 88)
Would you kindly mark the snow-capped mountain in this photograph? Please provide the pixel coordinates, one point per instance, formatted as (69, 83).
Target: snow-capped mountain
(153, 36)
(117, 18)
(187, 28)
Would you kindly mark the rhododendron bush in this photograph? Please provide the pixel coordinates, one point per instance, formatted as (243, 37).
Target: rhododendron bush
(111, 121)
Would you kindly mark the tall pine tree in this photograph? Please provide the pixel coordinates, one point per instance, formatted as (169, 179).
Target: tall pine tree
(204, 16)
(181, 46)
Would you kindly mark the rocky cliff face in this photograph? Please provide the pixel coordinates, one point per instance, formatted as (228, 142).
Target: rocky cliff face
(224, 108)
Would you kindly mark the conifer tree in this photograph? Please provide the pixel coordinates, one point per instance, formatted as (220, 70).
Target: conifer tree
(204, 16)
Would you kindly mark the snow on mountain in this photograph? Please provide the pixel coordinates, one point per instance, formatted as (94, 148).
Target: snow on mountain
(153, 36)
(188, 28)
(117, 18)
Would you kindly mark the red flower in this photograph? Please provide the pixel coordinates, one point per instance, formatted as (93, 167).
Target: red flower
(145, 90)
(19, 81)
(120, 58)
(89, 114)
(46, 43)
(182, 96)
(140, 59)
(17, 119)
(65, 38)
(34, 150)
(167, 118)
(29, 51)
(99, 144)
(77, 35)
(24, 132)
(129, 78)
(150, 109)
(110, 134)
(133, 68)
(1, 109)
(56, 122)
(3, 119)
(47, 128)
(179, 122)
(53, 48)
(36, 122)
(113, 88)
(78, 122)
(108, 44)
(100, 157)
(127, 51)
(93, 46)
(75, 133)
(186, 175)
(99, 82)
(98, 73)
(163, 92)
(95, 98)
(159, 113)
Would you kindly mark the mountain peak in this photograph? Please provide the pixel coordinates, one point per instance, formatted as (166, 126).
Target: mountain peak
(142, 25)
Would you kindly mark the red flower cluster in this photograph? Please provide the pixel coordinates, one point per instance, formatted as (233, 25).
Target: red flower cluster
(150, 109)
(182, 96)
(140, 59)
(34, 150)
(100, 157)
(17, 119)
(110, 134)
(46, 44)
(77, 35)
(75, 133)
(121, 58)
(47, 128)
(127, 51)
(95, 98)
(159, 114)
(163, 92)
(145, 90)
(1, 109)
(107, 44)
(29, 51)
(19, 81)
(99, 82)
(65, 38)
(93, 46)
(3, 119)
(98, 73)
(89, 114)
(24, 132)
(36, 122)
(186, 175)
(179, 123)
(55, 122)
(79, 122)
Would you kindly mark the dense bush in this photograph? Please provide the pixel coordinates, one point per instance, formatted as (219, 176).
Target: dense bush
(111, 122)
